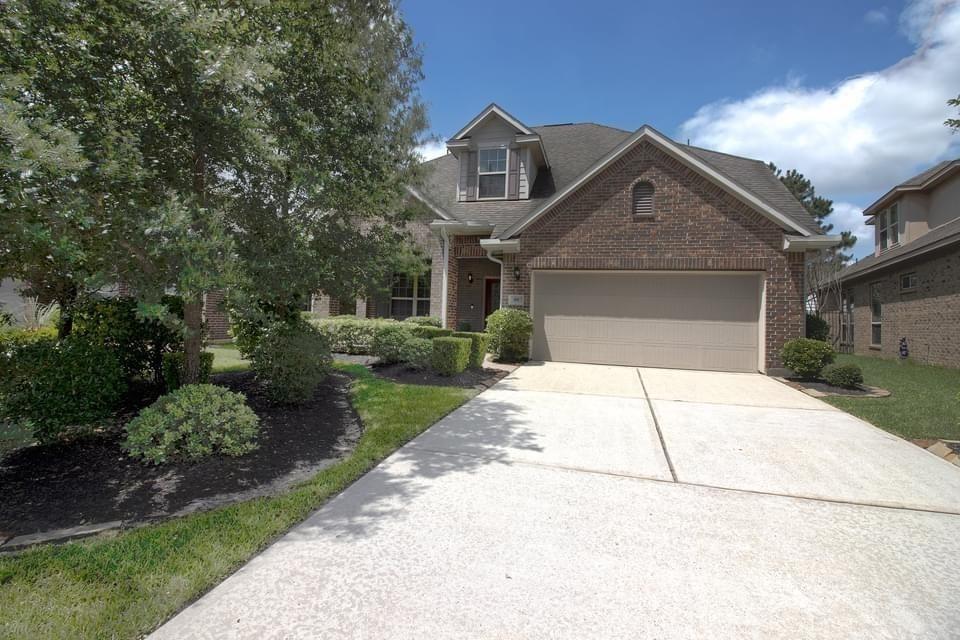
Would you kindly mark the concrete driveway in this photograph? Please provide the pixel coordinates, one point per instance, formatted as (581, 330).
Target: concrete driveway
(580, 501)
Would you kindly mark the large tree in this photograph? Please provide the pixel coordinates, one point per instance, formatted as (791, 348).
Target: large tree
(260, 145)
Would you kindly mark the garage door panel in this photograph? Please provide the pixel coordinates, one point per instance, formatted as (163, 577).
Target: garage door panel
(694, 321)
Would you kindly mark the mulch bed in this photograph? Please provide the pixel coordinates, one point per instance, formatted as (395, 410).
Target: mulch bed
(92, 480)
(470, 379)
(829, 389)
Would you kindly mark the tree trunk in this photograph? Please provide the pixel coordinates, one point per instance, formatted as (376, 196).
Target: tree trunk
(193, 340)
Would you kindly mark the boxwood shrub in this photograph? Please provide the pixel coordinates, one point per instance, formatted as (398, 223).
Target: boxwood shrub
(450, 355)
(429, 332)
(290, 360)
(806, 357)
(509, 331)
(430, 321)
(351, 335)
(175, 363)
(54, 386)
(416, 353)
(195, 421)
(389, 341)
(478, 346)
(848, 376)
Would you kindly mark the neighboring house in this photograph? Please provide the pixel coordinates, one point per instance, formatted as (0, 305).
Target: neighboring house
(909, 289)
(626, 247)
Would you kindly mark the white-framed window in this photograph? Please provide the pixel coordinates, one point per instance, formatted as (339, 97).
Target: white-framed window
(876, 316)
(491, 174)
(643, 200)
(908, 281)
(888, 225)
(409, 295)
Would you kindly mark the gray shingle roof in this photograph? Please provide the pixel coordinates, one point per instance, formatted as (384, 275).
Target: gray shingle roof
(947, 233)
(572, 149)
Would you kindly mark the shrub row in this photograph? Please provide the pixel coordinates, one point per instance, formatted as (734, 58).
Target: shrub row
(450, 355)
(811, 359)
(348, 334)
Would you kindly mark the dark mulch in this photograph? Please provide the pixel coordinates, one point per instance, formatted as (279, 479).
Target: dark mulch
(469, 379)
(92, 480)
(829, 388)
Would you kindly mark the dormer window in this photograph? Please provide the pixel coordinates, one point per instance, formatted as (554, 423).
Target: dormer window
(491, 173)
(888, 226)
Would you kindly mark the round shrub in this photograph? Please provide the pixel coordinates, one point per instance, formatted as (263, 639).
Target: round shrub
(848, 376)
(478, 346)
(195, 421)
(291, 359)
(817, 328)
(430, 321)
(806, 357)
(509, 331)
(54, 386)
(175, 363)
(388, 342)
(450, 355)
(417, 353)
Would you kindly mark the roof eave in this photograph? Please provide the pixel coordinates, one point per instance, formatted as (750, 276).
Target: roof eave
(887, 199)
(909, 255)
(810, 243)
(430, 205)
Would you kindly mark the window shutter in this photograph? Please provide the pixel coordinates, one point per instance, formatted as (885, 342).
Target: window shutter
(643, 199)
(472, 175)
(513, 175)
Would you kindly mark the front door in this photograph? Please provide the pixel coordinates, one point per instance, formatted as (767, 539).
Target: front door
(491, 297)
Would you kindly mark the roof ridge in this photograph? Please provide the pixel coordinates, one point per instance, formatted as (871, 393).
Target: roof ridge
(722, 153)
(578, 124)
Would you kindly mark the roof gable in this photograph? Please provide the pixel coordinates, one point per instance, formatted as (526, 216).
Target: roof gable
(492, 110)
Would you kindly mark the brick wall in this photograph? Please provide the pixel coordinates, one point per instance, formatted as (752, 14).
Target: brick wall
(929, 317)
(696, 226)
(215, 317)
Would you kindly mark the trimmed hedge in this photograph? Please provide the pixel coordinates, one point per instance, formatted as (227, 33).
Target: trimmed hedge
(175, 363)
(416, 353)
(806, 357)
(450, 355)
(11, 339)
(195, 421)
(291, 360)
(848, 376)
(510, 331)
(389, 341)
(426, 331)
(430, 321)
(52, 387)
(353, 335)
(478, 346)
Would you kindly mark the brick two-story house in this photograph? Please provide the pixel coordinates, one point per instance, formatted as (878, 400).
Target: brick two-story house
(626, 247)
(908, 290)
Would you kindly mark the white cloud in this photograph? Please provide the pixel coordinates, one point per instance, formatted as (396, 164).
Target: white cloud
(876, 16)
(860, 137)
(432, 149)
(849, 217)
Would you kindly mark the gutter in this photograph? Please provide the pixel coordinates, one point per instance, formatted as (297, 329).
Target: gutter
(807, 243)
(491, 245)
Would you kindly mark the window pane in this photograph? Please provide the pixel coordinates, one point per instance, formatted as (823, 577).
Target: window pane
(423, 307)
(492, 160)
(876, 307)
(402, 286)
(875, 334)
(423, 286)
(894, 233)
(883, 238)
(400, 309)
(493, 186)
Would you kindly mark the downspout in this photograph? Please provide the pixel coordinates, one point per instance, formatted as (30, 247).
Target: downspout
(445, 251)
(499, 262)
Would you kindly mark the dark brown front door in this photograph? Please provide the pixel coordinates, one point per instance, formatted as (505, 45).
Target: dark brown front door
(491, 297)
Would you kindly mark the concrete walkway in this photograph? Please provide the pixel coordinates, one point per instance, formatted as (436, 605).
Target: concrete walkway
(579, 501)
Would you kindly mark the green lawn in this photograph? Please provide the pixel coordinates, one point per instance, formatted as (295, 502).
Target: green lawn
(923, 403)
(226, 357)
(125, 586)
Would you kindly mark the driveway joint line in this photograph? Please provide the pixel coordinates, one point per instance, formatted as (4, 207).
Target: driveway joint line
(656, 425)
(628, 476)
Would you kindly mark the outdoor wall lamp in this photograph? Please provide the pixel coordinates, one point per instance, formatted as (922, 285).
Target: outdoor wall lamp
(470, 278)
(516, 272)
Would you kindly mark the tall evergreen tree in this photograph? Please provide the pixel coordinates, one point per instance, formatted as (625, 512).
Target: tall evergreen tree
(953, 123)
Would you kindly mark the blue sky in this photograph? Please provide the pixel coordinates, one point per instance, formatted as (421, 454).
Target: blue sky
(821, 86)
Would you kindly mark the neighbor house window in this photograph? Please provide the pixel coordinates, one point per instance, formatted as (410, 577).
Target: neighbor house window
(643, 199)
(876, 315)
(410, 295)
(908, 282)
(889, 225)
(492, 173)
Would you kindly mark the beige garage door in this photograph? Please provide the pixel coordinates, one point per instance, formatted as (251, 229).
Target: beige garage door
(682, 321)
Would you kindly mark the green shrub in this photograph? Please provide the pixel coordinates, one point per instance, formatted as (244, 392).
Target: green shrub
(806, 357)
(52, 387)
(478, 346)
(11, 339)
(174, 365)
(140, 342)
(389, 340)
(509, 331)
(848, 376)
(417, 353)
(817, 328)
(430, 321)
(450, 355)
(291, 359)
(463, 326)
(424, 331)
(194, 421)
(348, 334)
